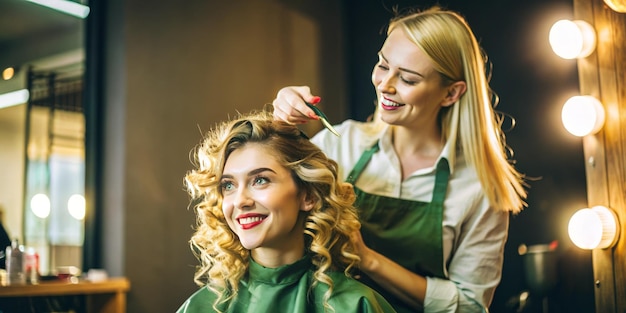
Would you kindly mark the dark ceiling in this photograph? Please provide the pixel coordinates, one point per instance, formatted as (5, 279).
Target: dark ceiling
(29, 31)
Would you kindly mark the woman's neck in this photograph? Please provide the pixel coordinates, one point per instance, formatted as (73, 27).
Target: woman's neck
(282, 252)
(273, 258)
(416, 149)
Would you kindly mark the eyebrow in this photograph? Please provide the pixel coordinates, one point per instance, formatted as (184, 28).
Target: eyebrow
(380, 53)
(253, 172)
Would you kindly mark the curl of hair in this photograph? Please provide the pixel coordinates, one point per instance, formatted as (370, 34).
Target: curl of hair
(328, 226)
(446, 38)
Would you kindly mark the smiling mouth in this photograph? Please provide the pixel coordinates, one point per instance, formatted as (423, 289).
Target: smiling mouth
(386, 103)
(251, 221)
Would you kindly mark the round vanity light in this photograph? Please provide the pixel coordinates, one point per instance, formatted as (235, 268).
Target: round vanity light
(572, 39)
(582, 115)
(617, 5)
(595, 228)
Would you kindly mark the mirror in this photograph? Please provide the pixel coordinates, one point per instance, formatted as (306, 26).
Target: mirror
(54, 191)
(12, 158)
(42, 139)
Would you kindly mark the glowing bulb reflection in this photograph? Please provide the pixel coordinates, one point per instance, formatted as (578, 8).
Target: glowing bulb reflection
(8, 73)
(76, 206)
(40, 205)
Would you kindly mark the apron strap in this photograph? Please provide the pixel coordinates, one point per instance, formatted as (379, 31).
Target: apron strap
(441, 181)
(360, 165)
(441, 176)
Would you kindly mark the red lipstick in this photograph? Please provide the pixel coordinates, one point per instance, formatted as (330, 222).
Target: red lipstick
(250, 220)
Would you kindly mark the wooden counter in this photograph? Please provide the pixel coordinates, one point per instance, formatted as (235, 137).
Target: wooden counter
(108, 296)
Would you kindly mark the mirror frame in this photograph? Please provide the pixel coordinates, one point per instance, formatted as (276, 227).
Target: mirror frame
(94, 47)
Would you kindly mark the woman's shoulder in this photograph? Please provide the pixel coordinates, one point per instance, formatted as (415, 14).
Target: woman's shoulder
(346, 128)
(354, 127)
(358, 296)
(200, 301)
(347, 284)
(349, 296)
(354, 135)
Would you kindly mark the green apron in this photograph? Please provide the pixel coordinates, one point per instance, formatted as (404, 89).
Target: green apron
(408, 232)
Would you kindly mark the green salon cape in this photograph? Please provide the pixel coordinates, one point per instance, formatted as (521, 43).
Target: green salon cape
(286, 289)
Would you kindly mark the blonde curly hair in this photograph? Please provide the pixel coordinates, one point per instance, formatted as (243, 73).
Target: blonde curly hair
(328, 226)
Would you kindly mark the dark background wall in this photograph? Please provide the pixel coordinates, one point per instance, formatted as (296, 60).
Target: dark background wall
(532, 83)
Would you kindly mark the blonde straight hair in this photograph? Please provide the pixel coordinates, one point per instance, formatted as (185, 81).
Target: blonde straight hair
(472, 123)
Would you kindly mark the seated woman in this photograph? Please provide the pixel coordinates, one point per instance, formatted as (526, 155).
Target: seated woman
(273, 224)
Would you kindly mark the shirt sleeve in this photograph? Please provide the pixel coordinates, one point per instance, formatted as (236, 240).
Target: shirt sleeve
(475, 268)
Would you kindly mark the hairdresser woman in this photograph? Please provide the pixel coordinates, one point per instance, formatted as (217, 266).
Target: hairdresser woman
(433, 181)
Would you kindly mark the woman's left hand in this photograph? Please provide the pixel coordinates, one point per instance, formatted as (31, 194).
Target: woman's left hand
(362, 250)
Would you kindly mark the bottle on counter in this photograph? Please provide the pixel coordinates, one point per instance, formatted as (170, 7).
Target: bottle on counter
(15, 262)
(31, 265)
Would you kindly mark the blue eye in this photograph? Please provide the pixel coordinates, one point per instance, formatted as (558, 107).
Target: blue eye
(226, 186)
(260, 180)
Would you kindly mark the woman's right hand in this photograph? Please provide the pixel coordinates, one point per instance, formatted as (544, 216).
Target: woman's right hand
(290, 106)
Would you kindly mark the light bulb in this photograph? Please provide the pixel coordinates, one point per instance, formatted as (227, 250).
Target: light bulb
(572, 39)
(76, 206)
(617, 5)
(594, 228)
(8, 73)
(582, 115)
(40, 205)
